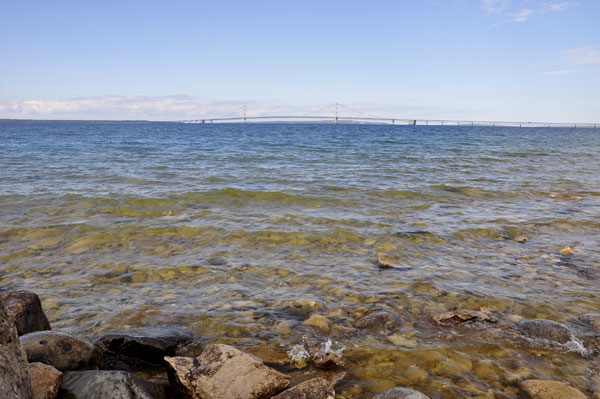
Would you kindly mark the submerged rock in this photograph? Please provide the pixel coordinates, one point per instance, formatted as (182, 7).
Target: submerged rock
(61, 350)
(376, 320)
(316, 388)
(545, 329)
(400, 393)
(541, 389)
(14, 377)
(462, 316)
(387, 263)
(45, 379)
(592, 319)
(327, 355)
(96, 384)
(222, 371)
(566, 251)
(26, 309)
(140, 349)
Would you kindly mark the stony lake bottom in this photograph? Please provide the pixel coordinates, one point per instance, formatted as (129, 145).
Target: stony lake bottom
(267, 235)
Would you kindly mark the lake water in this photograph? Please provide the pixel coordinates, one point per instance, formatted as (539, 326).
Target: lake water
(263, 235)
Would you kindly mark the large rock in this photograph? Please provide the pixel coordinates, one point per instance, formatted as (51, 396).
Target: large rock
(15, 382)
(464, 316)
(140, 349)
(61, 350)
(222, 371)
(95, 384)
(26, 309)
(316, 388)
(400, 393)
(545, 329)
(540, 389)
(45, 380)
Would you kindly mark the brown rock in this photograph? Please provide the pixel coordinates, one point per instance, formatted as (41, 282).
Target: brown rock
(540, 389)
(376, 320)
(61, 350)
(45, 380)
(316, 388)
(325, 355)
(462, 316)
(15, 382)
(26, 310)
(400, 393)
(222, 371)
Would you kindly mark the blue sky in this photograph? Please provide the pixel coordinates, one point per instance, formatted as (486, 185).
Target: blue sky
(469, 59)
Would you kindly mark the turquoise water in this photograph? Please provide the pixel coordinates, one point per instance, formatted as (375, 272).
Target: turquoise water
(260, 234)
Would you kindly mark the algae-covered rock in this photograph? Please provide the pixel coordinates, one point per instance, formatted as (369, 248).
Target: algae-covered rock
(464, 316)
(544, 329)
(541, 389)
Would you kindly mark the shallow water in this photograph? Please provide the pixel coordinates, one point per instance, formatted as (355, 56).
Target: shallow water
(247, 234)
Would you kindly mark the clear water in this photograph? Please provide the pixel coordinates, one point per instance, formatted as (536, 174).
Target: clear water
(254, 234)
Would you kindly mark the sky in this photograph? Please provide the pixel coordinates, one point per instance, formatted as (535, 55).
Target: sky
(509, 60)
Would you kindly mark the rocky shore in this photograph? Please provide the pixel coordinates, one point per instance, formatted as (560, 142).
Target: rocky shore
(37, 362)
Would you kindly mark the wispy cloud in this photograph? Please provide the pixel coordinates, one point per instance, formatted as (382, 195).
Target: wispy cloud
(557, 73)
(181, 107)
(586, 55)
(521, 11)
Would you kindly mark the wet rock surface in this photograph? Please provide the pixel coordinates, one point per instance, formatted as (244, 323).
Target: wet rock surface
(61, 350)
(45, 379)
(463, 316)
(316, 388)
(376, 321)
(400, 393)
(26, 309)
(592, 319)
(541, 389)
(222, 371)
(140, 349)
(544, 329)
(97, 384)
(15, 382)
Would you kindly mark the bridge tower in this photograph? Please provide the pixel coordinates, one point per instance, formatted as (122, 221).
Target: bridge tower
(244, 112)
(336, 114)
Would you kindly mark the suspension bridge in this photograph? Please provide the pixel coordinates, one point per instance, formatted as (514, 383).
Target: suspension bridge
(359, 117)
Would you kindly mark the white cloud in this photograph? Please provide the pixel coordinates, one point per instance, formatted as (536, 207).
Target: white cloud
(183, 107)
(523, 10)
(495, 6)
(556, 73)
(586, 55)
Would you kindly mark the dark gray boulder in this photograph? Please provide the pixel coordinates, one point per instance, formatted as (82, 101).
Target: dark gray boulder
(96, 384)
(142, 349)
(61, 350)
(15, 382)
(26, 309)
(400, 393)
